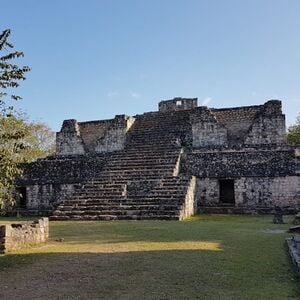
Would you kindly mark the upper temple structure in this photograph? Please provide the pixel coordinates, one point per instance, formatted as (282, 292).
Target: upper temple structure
(167, 164)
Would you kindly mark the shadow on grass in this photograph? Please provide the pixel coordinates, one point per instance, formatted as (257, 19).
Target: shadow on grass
(172, 274)
(207, 257)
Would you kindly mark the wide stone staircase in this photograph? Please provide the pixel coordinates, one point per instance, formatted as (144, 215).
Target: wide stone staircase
(140, 182)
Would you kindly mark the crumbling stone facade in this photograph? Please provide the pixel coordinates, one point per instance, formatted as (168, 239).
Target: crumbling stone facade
(17, 235)
(168, 164)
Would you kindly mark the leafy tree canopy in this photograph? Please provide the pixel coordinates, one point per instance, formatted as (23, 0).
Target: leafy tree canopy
(293, 135)
(20, 140)
(10, 73)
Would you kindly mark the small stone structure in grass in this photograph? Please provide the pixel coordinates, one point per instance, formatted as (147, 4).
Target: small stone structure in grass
(16, 235)
(278, 215)
(293, 244)
(297, 219)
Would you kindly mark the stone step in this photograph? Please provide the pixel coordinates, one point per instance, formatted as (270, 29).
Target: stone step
(138, 167)
(123, 202)
(112, 217)
(134, 174)
(130, 153)
(145, 160)
(116, 212)
(84, 206)
(96, 193)
(166, 179)
(141, 169)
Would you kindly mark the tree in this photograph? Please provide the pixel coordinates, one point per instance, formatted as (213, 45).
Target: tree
(43, 138)
(20, 142)
(12, 129)
(10, 73)
(12, 152)
(293, 134)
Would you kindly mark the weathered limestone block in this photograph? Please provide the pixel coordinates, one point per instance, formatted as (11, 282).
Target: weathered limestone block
(47, 196)
(115, 136)
(68, 140)
(177, 104)
(207, 192)
(15, 236)
(237, 121)
(95, 136)
(206, 130)
(253, 192)
(269, 126)
(190, 205)
(293, 244)
(244, 163)
(268, 191)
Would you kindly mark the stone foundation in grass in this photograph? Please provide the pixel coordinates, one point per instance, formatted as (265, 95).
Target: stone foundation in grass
(17, 235)
(293, 244)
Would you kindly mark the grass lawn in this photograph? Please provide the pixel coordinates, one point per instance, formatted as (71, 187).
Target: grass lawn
(205, 257)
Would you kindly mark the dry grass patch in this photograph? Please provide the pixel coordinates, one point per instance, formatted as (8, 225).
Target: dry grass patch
(206, 257)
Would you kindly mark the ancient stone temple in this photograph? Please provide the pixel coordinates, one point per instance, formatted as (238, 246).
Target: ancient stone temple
(168, 164)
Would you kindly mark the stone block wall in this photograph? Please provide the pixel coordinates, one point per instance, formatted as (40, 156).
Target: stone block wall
(237, 121)
(45, 197)
(233, 163)
(93, 137)
(262, 178)
(267, 130)
(68, 140)
(250, 125)
(207, 192)
(206, 131)
(253, 192)
(268, 191)
(49, 181)
(16, 236)
(177, 104)
(58, 169)
(190, 205)
(253, 125)
(115, 136)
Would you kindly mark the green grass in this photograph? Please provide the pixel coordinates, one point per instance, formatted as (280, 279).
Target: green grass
(205, 257)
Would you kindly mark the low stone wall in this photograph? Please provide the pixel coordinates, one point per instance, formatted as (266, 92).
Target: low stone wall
(293, 245)
(15, 236)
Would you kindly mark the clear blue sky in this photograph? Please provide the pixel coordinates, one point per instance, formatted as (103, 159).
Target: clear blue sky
(93, 59)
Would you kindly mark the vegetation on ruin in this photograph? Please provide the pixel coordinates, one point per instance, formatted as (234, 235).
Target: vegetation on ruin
(293, 135)
(205, 257)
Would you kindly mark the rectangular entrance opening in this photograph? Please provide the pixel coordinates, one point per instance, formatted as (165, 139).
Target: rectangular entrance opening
(21, 195)
(227, 191)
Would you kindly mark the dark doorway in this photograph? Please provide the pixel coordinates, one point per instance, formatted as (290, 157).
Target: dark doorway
(226, 191)
(21, 195)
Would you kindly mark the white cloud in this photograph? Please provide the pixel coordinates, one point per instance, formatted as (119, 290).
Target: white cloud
(135, 95)
(206, 101)
(112, 94)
